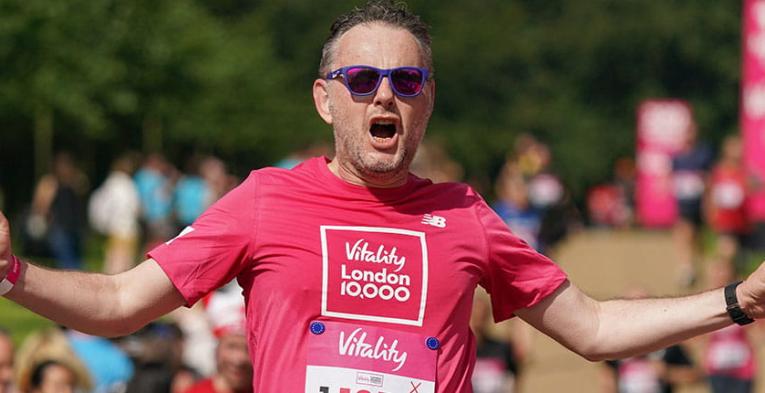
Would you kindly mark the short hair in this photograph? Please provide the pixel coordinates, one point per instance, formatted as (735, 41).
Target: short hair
(387, 12)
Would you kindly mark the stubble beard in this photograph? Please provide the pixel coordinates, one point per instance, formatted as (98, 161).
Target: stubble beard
(369, 163)
(351, 145)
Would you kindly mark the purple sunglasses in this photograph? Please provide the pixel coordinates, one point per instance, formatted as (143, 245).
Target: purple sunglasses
(363, 80)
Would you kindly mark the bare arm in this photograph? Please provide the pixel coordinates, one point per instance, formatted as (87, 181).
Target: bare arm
(97, 303)
(621, 328)
(89, 302)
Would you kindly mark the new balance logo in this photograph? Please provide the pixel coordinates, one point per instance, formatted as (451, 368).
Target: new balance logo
(436, 221)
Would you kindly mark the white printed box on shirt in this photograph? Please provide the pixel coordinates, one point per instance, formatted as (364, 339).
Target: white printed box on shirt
(374, 274)
(347, 358)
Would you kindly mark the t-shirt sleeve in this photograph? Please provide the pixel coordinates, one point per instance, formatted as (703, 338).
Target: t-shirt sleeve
(214, 249)
(516, 276)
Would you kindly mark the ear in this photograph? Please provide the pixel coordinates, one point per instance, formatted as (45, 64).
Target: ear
(431, 94)
(321, 99)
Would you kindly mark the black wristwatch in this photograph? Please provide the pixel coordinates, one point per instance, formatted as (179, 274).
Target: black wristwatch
(734, 310)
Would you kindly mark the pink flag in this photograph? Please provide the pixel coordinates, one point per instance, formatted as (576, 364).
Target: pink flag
(753, 102)
(663, 126)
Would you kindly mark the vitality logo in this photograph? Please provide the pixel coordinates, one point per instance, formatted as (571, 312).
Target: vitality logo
(374, 274)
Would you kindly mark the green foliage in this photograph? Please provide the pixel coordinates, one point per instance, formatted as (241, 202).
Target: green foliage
(233, 77)
(20, 321)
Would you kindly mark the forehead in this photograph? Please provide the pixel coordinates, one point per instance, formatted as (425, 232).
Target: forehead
(377, 44)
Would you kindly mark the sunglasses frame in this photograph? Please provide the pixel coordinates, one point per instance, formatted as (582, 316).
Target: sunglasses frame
(383, 72)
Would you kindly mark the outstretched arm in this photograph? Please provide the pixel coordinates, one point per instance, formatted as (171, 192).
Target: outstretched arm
(89, 302)
(621, 328)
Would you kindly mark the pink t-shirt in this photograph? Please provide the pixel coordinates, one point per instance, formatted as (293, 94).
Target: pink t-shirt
(730, 353)
(379, 269)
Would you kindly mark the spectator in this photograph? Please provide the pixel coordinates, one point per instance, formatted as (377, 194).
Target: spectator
(192, 194)
(729, 356)
(233, 374)
(513, 206)
(110, 368)
(624, 180)
(661, 372)
(613, 205)
(689, 170)
(52, 376)
(156, 354)
(725, 202)
(496, 367)
(6, 362)
(47, 354)
(606, 205)
(154, 181)
(57, 204)
(114, 211)
(218, 180)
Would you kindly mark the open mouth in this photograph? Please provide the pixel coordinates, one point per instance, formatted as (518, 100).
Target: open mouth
(383, 130)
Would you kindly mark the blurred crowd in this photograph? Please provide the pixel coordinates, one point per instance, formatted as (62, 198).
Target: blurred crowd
(147, 200)
(199, 350)
(711, 192)
(141, 202)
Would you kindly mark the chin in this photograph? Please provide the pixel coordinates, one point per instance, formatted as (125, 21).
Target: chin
(383, 163)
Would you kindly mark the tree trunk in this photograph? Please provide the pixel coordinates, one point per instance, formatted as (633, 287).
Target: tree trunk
(43, 140)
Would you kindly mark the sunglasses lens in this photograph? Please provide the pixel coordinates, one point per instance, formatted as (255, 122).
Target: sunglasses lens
(407, 81)
(362, 80)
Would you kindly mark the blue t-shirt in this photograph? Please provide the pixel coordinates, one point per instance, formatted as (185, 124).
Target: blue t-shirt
(154, 193)
(190, 199)
(107, 364)
(524, 223)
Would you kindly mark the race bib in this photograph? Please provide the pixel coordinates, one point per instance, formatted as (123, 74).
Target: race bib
(729, 355)
(688, 185)
(347, 358)
(728, 195)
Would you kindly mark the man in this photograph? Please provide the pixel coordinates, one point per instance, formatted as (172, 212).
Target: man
(6, 362)
(356, 274)
(233, 372)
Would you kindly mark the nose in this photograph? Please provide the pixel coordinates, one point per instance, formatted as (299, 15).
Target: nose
(384, 95)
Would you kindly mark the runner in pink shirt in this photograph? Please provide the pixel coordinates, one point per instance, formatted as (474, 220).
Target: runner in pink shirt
(358, 276)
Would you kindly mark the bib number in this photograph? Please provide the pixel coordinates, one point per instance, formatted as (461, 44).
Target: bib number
(347, 358)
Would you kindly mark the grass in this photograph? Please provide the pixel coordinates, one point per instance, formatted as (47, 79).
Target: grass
(20, 321)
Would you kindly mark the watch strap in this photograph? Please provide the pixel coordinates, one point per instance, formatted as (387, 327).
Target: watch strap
(733, 308)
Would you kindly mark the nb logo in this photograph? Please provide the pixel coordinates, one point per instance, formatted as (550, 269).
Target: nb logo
(436, 221)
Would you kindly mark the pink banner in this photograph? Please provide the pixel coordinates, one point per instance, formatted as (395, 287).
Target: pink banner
(662, 127)
(753, 102)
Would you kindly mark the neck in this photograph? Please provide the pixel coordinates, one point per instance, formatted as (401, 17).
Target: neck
(349, 174)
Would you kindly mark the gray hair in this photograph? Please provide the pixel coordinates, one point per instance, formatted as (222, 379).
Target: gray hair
(382, 11)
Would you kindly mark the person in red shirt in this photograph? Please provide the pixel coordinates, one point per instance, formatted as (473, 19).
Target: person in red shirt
(356, 274)
(725, 201)
(233, 373)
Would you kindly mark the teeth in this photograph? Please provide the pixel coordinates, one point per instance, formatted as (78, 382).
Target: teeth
(385, 122)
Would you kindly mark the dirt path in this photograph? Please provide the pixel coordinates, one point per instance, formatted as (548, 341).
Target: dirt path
(605, 265)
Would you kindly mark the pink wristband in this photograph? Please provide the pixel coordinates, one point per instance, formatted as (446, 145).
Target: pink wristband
(11, 277)
(15, 272)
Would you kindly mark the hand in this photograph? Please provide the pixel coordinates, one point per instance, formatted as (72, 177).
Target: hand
(5, 246)
(751, 294)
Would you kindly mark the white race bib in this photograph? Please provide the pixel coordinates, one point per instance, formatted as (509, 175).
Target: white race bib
(347, 358)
